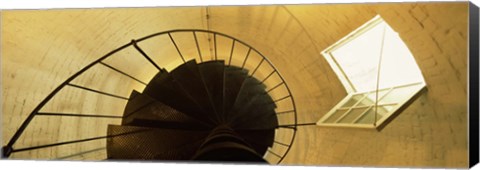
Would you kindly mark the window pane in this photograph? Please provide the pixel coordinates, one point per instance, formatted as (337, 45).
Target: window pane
(369, 116)
(401, 94)
(352, 115)
(354, 99)
(398, 65)
(335, 116)
(371, 98)
(359, 58)
(387, 108)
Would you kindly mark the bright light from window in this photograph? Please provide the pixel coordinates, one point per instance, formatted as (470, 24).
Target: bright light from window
(359, 59)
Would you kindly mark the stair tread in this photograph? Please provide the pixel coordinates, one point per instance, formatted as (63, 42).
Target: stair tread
(159, 78)
(249, 89)
(256, 115)
(165, 89)
(212, 74)
(260, 140)
(156, 111)
(257, 122)
(253, 108)
(165, 124)
(135, 103)
(143, 144)
(234, 78)
(190, 81)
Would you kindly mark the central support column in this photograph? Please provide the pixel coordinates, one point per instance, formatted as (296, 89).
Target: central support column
(223, 144)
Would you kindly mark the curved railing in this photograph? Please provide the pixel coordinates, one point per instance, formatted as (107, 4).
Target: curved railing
(273, 155)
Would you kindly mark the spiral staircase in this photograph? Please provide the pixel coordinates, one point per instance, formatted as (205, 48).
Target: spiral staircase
(205, 109)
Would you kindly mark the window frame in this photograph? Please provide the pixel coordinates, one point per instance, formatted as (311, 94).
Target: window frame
(396, 106)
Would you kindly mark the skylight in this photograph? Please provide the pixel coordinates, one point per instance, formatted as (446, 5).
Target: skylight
(377, 70)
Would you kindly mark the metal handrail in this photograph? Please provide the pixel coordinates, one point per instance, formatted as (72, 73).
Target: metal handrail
(8, 149)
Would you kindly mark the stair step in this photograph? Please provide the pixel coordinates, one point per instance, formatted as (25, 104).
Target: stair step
(167, 90)
(159, 78)
(190, 81)
(212, 74)
(260, 140)
(152, 144)
(250, 89)
(259, 115)
(253, 109)
(234, 78)
(165, 124)
(136, 102)
(155, 111)
(258, 121)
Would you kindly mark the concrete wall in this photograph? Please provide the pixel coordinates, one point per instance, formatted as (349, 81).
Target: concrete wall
(40, 49)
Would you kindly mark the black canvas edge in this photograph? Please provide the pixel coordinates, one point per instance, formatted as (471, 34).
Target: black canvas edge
(473, 50)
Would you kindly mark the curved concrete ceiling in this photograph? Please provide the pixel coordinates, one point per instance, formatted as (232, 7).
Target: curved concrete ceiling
(42, 48)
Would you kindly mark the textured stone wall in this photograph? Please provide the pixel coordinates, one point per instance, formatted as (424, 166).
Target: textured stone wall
(40, 49)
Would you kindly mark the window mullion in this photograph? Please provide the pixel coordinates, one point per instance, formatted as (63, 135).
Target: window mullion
(350, 108)
(378, 75)
(369, 107)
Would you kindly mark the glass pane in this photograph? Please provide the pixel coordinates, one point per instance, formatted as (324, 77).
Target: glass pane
(334, 116)
(359, 58)
(398, 65)
(354, 99)
(367, 101)
(388, 108)
(401, 94)
(369, 117)
(371, 98)
(352, 115)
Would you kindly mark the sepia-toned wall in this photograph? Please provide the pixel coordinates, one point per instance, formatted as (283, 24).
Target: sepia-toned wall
(42, 48)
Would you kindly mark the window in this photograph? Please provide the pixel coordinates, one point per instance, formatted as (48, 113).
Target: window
(378, 72)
